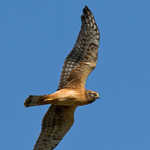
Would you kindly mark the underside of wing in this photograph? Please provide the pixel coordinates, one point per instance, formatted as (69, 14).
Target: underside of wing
(85, 48)
(56, 122)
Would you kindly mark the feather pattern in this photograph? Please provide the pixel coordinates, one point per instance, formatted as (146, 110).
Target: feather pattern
(56, 122)
(85, 47)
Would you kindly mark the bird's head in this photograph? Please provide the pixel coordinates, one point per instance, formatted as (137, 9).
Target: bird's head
(92, 96)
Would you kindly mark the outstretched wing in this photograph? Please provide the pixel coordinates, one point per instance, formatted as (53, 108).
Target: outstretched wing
(85, 50)
(56, 122)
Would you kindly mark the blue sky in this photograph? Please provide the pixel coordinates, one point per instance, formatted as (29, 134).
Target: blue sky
(36, 36)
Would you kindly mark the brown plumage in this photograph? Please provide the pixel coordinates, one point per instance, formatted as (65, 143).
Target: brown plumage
(71, 92)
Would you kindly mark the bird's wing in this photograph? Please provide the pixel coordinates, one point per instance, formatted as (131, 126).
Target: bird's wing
(84, 53)
(56, 122)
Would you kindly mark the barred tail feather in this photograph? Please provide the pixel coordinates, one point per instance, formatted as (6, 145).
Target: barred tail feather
(34, 100)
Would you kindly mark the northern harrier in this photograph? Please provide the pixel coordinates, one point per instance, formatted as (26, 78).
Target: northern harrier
(71, 92)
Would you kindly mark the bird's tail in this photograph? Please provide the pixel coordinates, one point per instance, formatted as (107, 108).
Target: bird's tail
(34, 100)
(60, 97)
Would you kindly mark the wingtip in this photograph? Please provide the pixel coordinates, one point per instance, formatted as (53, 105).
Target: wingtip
(86, 10)
(87, 17)
(86, 7)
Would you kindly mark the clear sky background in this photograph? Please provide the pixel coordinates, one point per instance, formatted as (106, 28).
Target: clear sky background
(36, 36)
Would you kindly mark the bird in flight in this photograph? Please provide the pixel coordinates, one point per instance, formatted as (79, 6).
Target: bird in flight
(71, 91)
